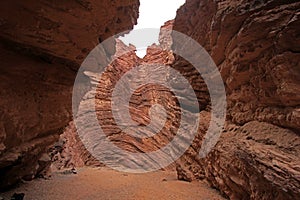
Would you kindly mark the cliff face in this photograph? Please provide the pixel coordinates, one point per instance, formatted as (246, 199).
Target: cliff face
(251, 44)
(42, 45)
(255, 45)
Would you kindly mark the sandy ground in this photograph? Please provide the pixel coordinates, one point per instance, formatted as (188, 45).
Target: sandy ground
(104, 184)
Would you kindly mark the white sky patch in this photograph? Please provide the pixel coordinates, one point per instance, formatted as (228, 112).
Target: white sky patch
(153, 14)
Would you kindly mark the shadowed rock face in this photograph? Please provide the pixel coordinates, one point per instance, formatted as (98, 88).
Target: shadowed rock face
(259, 65)
(64, 31)
(255, 45)
(42, 45)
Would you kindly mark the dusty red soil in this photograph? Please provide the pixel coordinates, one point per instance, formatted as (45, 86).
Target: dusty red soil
(102, 183)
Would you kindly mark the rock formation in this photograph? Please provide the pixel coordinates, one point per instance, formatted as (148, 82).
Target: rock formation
(255, 45)
(69, 152)
(256, 156)
(42, 45)
(142, 99)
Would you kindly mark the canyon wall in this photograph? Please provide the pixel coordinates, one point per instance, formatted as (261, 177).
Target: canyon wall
(256, 156)
(255, 45)
(42, 44)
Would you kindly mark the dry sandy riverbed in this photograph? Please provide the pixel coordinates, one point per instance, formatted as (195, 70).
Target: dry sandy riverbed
(107, 184)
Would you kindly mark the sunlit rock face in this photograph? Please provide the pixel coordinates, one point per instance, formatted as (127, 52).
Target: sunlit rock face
(42, 45)
(141, 101)
(255, 45)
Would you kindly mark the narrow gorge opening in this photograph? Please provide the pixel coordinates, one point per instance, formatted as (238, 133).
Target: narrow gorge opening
(153, 15)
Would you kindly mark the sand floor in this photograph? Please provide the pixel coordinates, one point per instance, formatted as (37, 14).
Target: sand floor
(107, 184)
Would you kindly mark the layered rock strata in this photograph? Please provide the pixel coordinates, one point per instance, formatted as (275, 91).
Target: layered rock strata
(140, 103)
(255, 45)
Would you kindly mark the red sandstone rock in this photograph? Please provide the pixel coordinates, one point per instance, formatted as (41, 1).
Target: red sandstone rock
(256, 159)
(255, 45)
(140, 104)
(47, 41)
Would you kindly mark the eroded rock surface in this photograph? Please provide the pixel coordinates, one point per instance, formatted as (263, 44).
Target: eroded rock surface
(139, 106)
(255, 45)
(46, 42)
(256, 156)
(246, 41)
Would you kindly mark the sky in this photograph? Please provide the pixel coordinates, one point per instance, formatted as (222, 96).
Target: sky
(153, 14)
